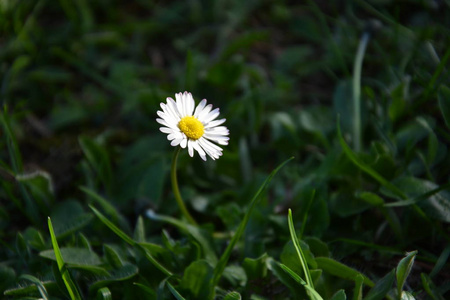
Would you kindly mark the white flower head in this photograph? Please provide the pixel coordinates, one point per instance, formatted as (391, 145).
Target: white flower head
(193, 127)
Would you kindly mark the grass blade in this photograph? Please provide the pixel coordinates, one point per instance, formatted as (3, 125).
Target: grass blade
(70, 285)
(41, 288)
(298, 248)
(363, 166)
(130, 241)
(403, 269)
(220, 267)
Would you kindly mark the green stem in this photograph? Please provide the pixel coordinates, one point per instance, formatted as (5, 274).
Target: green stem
(176, 190)
(357, 90)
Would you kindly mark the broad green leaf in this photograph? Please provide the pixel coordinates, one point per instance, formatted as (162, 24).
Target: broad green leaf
(77, 256)
(430, 197)
(255, 268)
(196, 279)
(382, 287)
(444, 103)
(403, 270)
(121, 274)
(232, 296)
(317, 247)
(338, 269)
(70, 285)
(112, 257)
(339, 295)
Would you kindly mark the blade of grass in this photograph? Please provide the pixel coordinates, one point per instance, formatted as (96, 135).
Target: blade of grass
(305, 216)
(70, 285)
(312, 291)
(363, 166)
(41, 288)
(220, 267)
(298, 248)
(129, 240)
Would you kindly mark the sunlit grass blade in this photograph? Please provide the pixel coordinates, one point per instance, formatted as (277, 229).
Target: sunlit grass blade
(41, 288)
(220, 267)
(298, 248)
(104, 294)
(311, 290)
(70, 285)
(129, 240)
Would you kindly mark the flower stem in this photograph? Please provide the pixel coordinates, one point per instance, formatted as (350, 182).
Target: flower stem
(357, 90)
(176, 190)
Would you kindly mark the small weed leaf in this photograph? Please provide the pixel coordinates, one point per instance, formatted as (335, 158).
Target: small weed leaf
(403, 269)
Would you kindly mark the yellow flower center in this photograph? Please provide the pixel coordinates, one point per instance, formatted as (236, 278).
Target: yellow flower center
(191, 127)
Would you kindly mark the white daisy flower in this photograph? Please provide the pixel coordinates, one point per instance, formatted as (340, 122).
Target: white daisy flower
(195, 129)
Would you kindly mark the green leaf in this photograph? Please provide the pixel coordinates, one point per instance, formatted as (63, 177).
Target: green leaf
(7, 277)
(255, 267)
(104, 294)
(77, 256)
(338, 269)
(112, 257)
(403, 270)
(358, 291)
(339, 295)
(444, 103)
(382, 287)
(232, 296)
(197, 278)
(70, 285)
(121, 274)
